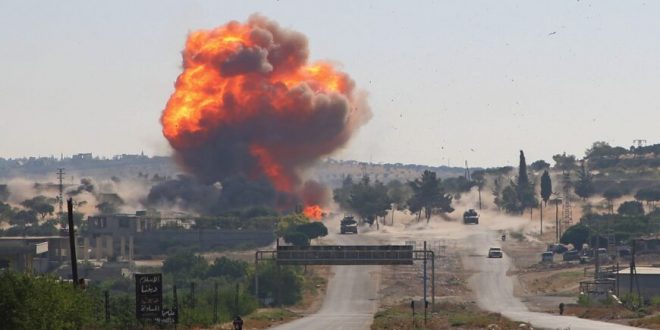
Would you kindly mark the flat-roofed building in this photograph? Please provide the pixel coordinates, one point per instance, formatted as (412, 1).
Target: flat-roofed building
(648, 279)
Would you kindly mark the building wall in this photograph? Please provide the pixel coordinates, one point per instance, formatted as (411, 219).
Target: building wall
(649, 285)
(161, 241)
(158, 241)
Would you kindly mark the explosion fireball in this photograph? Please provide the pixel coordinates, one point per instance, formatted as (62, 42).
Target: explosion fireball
(249, 104)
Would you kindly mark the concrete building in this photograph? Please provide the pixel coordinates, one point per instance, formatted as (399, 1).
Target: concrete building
(648, 279)
(121, 237)
(33, 254)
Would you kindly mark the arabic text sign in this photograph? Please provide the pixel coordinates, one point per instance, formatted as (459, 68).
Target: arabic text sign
(168, 316)
(148, 296)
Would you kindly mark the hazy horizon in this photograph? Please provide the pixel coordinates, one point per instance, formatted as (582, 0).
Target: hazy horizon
(448, 81)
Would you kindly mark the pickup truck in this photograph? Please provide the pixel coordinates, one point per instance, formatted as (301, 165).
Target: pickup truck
(495, 253)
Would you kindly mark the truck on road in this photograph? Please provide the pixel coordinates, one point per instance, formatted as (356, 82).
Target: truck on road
(348, 225)
(470, 217)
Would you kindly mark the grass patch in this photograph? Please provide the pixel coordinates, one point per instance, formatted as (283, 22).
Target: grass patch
(271, 314)
(571, 275)
(517, 235)
(445, 316)
(652, 322)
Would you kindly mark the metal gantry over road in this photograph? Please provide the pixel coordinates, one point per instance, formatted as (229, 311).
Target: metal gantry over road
(348, 255)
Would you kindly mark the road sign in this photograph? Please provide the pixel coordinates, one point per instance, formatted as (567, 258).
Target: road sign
(345, 255)
(148, 296)
(168, 316)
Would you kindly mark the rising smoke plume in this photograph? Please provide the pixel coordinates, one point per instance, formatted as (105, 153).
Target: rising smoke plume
(248, 103)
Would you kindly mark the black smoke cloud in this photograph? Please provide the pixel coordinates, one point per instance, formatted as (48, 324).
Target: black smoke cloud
(188, 193)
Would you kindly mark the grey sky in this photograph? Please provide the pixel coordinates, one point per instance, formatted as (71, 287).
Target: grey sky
(448, 80)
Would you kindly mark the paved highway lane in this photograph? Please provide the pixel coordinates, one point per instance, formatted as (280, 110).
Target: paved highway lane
(350, 301)
(494, 289)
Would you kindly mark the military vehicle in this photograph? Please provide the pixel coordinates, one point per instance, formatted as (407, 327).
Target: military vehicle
(470, 217)
(348, 225)
(495, 253)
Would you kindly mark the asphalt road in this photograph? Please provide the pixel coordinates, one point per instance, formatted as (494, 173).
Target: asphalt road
(494, 289)
(351, 297)
(350, 301)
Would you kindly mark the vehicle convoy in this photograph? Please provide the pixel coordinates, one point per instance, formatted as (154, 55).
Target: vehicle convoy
(348, 225)
(470, 217)
(494, 253)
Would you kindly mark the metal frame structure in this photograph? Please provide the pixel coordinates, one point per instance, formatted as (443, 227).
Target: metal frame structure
(423, 255)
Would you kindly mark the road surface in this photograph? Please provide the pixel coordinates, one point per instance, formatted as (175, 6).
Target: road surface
(351, 297)
(494, 289)
(350, 301)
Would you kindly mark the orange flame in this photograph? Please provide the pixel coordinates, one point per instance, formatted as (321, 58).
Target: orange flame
(313, 212)
(249, 103)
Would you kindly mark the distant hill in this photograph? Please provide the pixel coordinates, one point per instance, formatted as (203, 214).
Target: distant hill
(330, 171)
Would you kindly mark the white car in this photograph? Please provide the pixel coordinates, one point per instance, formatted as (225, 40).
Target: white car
(495, 253)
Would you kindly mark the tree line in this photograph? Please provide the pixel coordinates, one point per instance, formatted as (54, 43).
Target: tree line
(370, 201)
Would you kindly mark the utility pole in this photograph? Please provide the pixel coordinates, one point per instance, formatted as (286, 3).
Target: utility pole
(72, 244)
(192, 295)
(425, 303)
(597, 254)
(215, 303)
(541, 210)
(60, 197)
(236, 300)
(106, 294)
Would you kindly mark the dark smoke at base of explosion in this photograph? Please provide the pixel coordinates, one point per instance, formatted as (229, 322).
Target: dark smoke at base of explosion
(234, 195)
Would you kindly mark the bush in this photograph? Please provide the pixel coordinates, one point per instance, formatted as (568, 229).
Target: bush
(655, 301)
(227, 267)
(584, 300)
(631, 208)
(185, 264)
(282, 286)
(313, 230)
(28, 302)
(296, 238)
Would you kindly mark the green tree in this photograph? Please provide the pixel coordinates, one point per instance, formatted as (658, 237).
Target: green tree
(224, 266)
(611, 194)
(369, 201)
(282, 284)
(41, 205)
(289, 222)
(523, 178)
(296, 238)
(23, 217)
(524, 188)
(546, 187)
(429, 195)
(6, 211)
(576, 235)
(631, 208)
(509, 200)
(313, 230)
(185, 264)
(43, 302)
(4, 193)
(539, 165)
(479, 180)
(584, 187)
(649, 195)
(497, 192)
(564, 162)
(342, 195)
(601, 149)
(398, 194)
